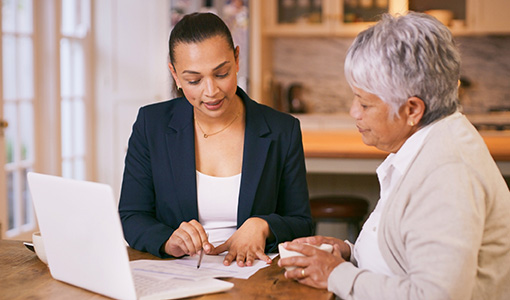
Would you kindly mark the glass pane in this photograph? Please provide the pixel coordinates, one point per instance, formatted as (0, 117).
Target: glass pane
(24, 16)
(68, 17)
(27, 130)
(18, 93)
(67, 125)
(83, 19)
(75, 18)
(79, 169)
(65, 68)
(10, 199)
(9, 67)
(8, 15)
(75, 24)
(26, 68)
(79, 127)
(67, 168)
(364, 10)
(28, 211)
(10, 115)
(78, 70)
(299, 11)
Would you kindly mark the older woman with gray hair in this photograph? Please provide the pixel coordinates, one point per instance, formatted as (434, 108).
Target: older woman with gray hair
(440, 229)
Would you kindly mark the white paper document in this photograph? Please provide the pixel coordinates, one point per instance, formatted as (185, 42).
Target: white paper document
(186, 268)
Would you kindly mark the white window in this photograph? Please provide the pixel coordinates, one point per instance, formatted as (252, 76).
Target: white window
(75, 31)
(42, 39)
(18, 112)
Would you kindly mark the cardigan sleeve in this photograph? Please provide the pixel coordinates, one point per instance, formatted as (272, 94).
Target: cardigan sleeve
(435, 238)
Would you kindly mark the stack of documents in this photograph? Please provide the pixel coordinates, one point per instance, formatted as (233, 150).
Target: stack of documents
(186, 268)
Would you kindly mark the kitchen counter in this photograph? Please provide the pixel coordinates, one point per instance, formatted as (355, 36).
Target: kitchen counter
(333, 145)
(343, 151)
(348, 144)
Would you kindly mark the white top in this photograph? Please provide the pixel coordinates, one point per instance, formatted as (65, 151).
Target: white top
(366, 250)
(218, 198)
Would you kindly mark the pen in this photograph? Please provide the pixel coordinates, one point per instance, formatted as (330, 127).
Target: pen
(200, 258)
(201, 255)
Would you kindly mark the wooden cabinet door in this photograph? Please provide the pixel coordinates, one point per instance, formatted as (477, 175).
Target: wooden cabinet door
(491, 16)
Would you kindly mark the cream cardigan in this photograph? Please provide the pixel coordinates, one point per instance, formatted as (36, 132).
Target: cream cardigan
(445, 230)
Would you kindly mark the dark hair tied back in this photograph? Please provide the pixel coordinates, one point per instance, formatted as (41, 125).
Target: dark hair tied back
(195, 28)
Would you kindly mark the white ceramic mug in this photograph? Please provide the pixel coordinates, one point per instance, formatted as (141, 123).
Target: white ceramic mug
(37, 240)
(288, 253)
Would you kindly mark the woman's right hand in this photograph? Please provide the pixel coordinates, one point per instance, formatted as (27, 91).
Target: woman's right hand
(345, 250)
(188, 239)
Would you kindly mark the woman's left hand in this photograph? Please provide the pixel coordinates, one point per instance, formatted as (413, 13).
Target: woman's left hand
(314, 268)
(246, 244)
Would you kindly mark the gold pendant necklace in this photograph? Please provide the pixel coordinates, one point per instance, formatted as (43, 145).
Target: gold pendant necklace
(206, 135)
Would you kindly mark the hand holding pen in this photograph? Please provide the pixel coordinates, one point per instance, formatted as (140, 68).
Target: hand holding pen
(202, 253)
(189, 239)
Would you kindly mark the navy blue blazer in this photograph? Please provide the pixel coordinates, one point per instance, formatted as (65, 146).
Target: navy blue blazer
(159, 184)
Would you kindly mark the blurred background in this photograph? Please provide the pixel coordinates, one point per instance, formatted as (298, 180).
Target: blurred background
(75, 73)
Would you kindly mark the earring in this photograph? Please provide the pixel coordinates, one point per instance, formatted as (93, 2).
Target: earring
(179, 87)
(411, 123)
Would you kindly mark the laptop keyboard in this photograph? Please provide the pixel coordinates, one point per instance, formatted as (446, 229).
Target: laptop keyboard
(147, 285)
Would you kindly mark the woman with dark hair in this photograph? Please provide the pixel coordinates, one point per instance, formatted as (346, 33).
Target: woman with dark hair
(212, 171)
(440, 229)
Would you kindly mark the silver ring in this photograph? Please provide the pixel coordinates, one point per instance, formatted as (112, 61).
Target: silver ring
(303, 273)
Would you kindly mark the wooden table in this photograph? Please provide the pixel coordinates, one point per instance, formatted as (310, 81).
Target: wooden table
(24, 276)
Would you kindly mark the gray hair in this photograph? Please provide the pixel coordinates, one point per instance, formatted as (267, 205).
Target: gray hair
(405, 56)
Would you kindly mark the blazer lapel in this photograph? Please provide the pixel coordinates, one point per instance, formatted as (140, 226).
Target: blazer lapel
(256, 147)
(180, 142)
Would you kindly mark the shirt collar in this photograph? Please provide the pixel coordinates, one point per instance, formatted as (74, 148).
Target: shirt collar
(406, 154)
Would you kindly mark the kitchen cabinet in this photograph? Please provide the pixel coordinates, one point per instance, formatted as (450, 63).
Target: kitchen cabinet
(471, 17)
(324, 17)
(490, 16)
(347, 17)
(274, 19)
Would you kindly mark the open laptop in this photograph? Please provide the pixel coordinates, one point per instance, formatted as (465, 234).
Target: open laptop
(85, 245)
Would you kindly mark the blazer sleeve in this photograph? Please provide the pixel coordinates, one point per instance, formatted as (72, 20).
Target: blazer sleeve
(292, 218)
(137, 205)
